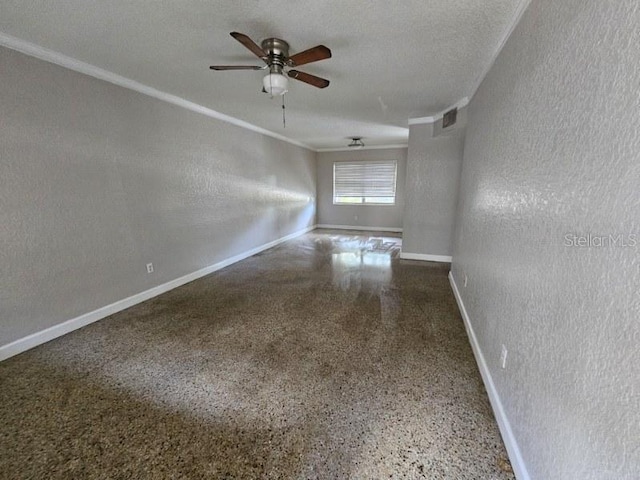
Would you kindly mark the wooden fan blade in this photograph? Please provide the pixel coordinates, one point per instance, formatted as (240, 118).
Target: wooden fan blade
(308, 78)
(250, 44)
(237, 67)
(308, 56)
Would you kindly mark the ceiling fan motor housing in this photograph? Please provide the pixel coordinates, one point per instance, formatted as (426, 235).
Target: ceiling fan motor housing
(274, 52)
(278, 52)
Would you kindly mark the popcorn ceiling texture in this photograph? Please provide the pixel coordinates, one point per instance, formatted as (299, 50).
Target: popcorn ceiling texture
(553, 148)
(96, 181)
(390, 62)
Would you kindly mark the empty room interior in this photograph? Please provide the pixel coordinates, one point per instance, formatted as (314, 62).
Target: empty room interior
(320, 240)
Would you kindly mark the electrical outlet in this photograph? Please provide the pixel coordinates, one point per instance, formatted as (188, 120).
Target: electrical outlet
(355, 217)
(465, 281)
(149, 267)
(503, 357)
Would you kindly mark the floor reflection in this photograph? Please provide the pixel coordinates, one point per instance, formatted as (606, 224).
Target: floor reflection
(363, 263)
(263, 369)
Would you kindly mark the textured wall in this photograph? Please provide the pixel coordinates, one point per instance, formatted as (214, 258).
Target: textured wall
(386, 216)
(433, 174)
(553, 148)
(96, 181)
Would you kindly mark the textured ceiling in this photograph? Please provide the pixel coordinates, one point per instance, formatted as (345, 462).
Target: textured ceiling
(391, 60)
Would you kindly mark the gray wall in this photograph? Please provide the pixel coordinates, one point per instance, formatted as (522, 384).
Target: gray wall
(433, 174)
(385, 216)
(97, 180)
(553, 148)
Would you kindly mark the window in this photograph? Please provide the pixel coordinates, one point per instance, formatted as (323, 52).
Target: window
(364, 183)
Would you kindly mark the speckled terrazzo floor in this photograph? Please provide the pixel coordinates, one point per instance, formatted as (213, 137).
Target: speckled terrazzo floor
(326, 357)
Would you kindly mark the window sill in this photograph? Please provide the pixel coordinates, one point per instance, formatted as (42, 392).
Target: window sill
(364, 204)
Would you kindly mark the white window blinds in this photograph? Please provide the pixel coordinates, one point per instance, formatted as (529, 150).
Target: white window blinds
(364, 182)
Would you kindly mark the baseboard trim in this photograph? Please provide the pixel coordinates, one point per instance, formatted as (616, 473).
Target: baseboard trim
(425, 257)
(55, 331)
(508, 437)
(359, 227)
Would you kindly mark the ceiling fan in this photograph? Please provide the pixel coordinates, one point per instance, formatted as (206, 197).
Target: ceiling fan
(274, 52)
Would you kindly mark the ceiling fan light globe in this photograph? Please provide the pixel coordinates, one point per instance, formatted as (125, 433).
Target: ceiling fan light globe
(275, 84)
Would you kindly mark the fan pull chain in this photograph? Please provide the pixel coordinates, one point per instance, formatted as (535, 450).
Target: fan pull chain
(284, 119)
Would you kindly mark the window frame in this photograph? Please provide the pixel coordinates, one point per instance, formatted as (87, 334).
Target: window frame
(363, 198)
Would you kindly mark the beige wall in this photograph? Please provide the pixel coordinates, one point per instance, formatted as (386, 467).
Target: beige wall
(96, 181)
(384, 216)
(553, 149)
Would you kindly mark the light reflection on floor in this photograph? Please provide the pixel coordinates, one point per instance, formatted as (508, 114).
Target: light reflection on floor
(324, 357)
(352, 269)
(364, 262)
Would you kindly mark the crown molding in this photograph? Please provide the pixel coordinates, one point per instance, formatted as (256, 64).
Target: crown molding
(421, 120)
(463, 102)
(522, 7)
(352, 149)
(57, 58)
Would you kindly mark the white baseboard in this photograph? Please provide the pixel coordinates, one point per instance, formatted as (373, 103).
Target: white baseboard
(508, 437)
(425, 257)
(359, 227)
(38, 338)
